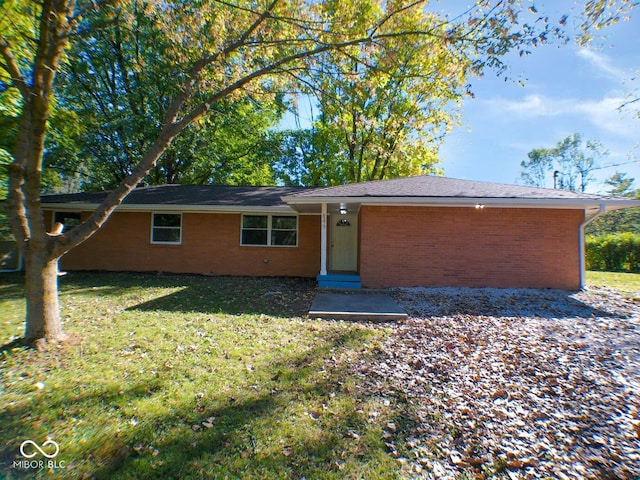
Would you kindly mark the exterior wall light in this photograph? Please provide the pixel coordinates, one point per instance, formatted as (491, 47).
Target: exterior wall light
(479, 206)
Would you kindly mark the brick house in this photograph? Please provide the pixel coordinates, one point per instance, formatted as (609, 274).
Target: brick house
(426, 231)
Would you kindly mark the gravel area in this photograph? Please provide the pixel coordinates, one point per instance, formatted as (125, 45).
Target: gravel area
(512, 384)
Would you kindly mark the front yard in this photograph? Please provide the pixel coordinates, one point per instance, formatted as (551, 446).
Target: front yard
(624, 282)
(208, 377)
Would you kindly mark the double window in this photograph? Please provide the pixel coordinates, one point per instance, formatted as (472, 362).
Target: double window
(269, 230)
(166, 228)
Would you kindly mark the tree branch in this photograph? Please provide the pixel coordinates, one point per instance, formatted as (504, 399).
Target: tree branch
(172, 125)
(10, 65)
(174, 110)
(630, 102)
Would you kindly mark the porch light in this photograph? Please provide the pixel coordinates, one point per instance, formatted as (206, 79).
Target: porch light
(343, 209)
(479, 206)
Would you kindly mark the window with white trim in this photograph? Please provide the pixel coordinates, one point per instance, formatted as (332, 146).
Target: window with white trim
(269, 230)
(166, 228)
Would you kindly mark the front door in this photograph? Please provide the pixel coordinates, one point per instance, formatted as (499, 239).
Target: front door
(344, 243)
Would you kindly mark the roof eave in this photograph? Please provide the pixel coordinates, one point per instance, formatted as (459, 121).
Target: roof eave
(558, 203)
(171, 208)
(568, 203)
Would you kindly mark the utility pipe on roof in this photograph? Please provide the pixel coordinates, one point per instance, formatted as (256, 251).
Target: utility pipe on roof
(586, 222)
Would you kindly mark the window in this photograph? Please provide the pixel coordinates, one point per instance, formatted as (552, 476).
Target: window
(166, 228)
(284, 230)
(68, 219)
(269, 230)
(255, 230)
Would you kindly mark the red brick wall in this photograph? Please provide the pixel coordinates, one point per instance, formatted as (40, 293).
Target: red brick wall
(492, 247)
(210, 245)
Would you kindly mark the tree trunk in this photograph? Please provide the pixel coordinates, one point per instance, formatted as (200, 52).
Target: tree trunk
(43, 312)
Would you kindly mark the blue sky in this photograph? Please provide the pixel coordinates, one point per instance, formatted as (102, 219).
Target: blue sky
(567, 89)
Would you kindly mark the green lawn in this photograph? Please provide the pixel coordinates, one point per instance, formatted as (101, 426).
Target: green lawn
(190, 377)
(626, 282)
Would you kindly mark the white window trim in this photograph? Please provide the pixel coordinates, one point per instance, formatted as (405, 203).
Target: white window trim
(269, 229)
(154, 242)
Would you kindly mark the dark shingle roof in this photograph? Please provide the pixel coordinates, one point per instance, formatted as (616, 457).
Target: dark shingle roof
(420, 189)
(192, 195)
(439, 187)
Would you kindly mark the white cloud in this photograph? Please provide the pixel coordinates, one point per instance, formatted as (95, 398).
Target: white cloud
(604, 64)
(607, 116)
(531, 105)
(604, 113)
(528, 106)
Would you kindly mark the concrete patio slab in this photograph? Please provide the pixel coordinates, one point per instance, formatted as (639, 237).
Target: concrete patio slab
(356, 306)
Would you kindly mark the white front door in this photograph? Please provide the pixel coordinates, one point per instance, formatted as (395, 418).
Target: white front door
(344, 243)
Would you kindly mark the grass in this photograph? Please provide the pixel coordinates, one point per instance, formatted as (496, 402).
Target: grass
(626, 282)
(181, 377)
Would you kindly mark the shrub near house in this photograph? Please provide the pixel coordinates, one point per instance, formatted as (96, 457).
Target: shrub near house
(614, 253)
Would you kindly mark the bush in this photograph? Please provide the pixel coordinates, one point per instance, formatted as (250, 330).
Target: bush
(613, 253)
(5, 227)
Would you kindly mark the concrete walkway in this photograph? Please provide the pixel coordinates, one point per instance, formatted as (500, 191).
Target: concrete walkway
(356, 306)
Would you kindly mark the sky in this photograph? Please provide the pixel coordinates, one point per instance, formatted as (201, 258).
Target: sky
(567, 89)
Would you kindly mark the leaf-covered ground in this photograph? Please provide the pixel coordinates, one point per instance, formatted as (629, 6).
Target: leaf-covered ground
(512, 383)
